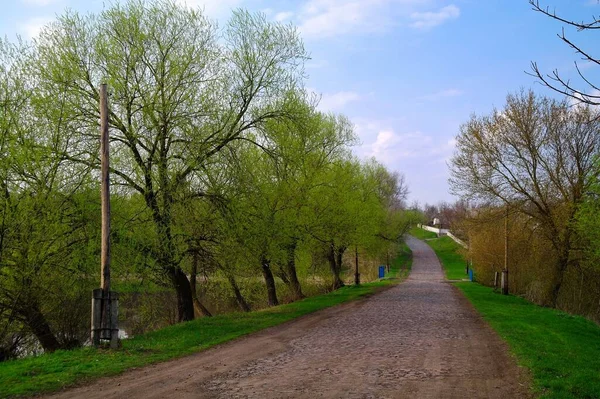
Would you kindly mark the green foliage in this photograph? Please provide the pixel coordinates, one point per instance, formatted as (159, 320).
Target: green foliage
(224, 174)
(401, 264)
(588, 221)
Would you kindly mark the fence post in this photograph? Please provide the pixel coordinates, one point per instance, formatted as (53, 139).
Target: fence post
(505, 282)
(356, 273)
(114, 319)
(96, 316)
(496, 280)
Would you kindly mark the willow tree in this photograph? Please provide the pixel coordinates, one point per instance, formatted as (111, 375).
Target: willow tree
(43, 219)
(181, 91)
(270, 187)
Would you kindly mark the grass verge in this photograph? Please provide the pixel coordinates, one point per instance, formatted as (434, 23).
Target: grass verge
(562, 351)
(422, 234)
(452, 261)
(60, 369)
(400, 267)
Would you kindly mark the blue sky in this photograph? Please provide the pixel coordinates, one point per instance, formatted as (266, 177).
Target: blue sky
(406, 72)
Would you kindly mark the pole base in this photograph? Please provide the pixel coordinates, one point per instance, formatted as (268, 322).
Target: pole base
(105, 318)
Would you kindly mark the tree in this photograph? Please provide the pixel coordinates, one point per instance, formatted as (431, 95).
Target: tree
(346, 211)
(536, 156)
(181, 93)
(588, 222)
(555, 80)
(44, 207)
(301, 150)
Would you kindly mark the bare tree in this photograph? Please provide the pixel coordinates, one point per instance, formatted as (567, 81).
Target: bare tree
(536, 155)
(555, 80)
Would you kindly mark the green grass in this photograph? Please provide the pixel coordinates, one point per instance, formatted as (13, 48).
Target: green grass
(53, 371)
(561, 351)
(452, 261)
(422, 234)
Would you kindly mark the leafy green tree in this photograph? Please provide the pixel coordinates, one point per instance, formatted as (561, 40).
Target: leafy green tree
(45, 213)
(181, 92)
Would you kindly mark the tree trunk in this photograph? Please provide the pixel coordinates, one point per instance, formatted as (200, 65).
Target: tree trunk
(335, 264)
(185, 300)
(270, 282)
(294, 283)
(166, 258)
(198, 306)
(239, 298)
(557, 281)
(562, 265)
(556, 286)
(282, 274)
(37, 323)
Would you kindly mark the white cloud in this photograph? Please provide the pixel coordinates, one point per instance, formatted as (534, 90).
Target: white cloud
(32, 27)
(427, 20)
(326, 18)
(212, 8)
(422, 157)
(282, 16)
(399, 150)
(329, 18)
(593, 96)
(337, 101)
(390, 146)
(442, 94)
(386, 139)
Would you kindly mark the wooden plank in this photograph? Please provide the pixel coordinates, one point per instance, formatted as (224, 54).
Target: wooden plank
(114, 320)
(96, 324)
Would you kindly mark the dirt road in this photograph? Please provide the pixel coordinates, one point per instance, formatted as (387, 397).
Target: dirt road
(421, 339)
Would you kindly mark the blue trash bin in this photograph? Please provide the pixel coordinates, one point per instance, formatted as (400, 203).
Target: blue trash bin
(471, 276)
(381, 271)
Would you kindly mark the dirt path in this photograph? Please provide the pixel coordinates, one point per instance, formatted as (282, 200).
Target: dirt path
(421, 339)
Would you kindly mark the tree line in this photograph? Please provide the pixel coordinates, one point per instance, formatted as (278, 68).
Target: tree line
(530, 171)
(223, 172)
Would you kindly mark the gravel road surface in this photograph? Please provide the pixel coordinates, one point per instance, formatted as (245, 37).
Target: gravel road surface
(420, 339)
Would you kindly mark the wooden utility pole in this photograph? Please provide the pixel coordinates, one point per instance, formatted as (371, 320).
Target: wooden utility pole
(104, 193)
(104, 301)
(356, 273)
(505, 271)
